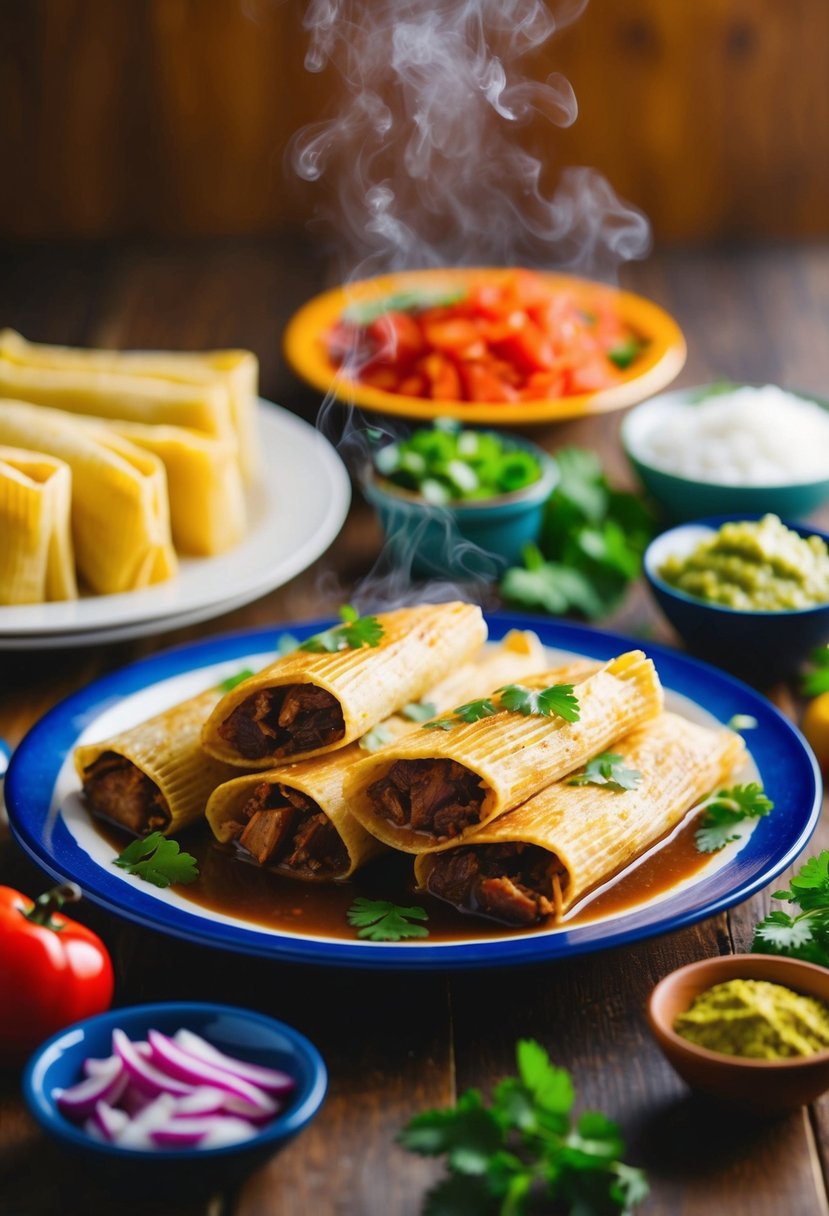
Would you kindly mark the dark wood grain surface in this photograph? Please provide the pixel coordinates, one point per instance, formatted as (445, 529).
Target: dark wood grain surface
(398, 1043)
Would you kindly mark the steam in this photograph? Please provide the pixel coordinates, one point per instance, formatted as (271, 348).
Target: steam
(426, 166)
(423, 153)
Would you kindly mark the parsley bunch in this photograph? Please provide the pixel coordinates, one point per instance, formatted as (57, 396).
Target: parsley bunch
(591, 543)
(158, 860)
(354, 632)
(522, 1148)
(804, 934)
(727, 809)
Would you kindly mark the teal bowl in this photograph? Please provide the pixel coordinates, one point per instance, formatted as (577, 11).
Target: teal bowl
(463, 540)
(684, 498)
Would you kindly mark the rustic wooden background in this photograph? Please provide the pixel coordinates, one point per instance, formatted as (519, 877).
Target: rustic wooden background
(172, 116)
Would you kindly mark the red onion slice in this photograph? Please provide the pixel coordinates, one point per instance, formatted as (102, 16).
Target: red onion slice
(211, 1131)
(206, 1100)
(269, 1079)
(106, 1085)
(138, 1132)
(246, 1098)
(109, 1120)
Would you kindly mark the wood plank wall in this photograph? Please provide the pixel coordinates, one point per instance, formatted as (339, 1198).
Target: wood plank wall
(171, 116)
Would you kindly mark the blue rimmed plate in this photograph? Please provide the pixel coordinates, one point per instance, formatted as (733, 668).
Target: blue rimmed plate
(47, 820)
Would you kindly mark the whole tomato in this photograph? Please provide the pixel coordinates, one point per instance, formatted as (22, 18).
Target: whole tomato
(53, 971)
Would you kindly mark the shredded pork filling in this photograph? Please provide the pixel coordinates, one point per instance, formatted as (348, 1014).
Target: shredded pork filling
(283, 721)
(286, 829)
(118, 791)
(437, 797)
(519, 884)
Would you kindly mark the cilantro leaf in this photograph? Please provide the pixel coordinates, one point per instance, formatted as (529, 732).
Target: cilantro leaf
(521, 1149)
(232, 681)
(440, 724)
(608, 768)
(727, 809)
(382, 921)
(816, 681)
(354, 633)
(158, 860)
(474, 711)
(376, 738)
(558, 700)
(624, 354)
(286, 643)
(419, 711)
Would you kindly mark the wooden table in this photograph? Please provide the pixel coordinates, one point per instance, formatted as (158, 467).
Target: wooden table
(396, 1044)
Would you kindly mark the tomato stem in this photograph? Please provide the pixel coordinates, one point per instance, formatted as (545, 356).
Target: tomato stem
(46, 905)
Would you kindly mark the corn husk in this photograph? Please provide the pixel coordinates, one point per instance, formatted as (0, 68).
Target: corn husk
(515, 756)
(591, 831)
(419, 645)
(36, 556)
(119, 512)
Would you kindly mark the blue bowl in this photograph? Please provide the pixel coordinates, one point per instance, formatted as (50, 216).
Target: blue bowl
(239, 1032)
(462, 540)
(760, 647)
(685, 498)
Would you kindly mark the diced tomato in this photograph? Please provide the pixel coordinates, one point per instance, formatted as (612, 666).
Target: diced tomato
(396, 337)
(444, 378)
(378, 376)
(527, 348)
(457, 335)
(593, 374)
(414, 386)
(482, 384)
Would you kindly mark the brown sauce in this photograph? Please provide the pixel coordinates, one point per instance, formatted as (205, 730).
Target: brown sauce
(233, 887)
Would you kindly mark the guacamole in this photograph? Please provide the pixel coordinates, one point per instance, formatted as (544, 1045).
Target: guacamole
(756, 566)
(756, 1019)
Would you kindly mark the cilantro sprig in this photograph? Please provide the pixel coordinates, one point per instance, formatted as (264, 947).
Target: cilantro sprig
(507, 1157)
(235, 680)
(816, 681)
(800, 934)
(158, 860)
(382, 921)
(608, 768)
(355, 632)
(591, 543)
(727, 809)
(558, 700)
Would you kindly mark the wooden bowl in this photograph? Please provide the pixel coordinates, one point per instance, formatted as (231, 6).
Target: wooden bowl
(762, 1086)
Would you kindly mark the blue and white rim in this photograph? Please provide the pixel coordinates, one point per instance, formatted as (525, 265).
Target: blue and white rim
(786, 766)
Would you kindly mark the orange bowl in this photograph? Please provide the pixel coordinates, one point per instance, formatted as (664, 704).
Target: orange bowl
(306, 351)
(763, 1086)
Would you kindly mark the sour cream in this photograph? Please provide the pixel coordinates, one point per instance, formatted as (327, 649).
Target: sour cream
(745, 437)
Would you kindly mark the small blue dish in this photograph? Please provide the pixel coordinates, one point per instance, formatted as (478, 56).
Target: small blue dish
(462, 540)
(687, 498)
(250, 1036)
(760, 647)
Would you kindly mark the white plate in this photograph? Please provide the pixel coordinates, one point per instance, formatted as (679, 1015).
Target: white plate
(295, 512)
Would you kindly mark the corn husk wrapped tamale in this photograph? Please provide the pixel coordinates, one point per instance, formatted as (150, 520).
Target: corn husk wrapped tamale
(310, 703)
(120, 512)
(295, 820)
(541, 858)
(36, 557)
(208, 514)
(434, 787)
(154, 776)
(236, 371)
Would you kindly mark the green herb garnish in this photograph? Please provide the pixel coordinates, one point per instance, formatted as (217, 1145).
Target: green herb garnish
(232, 681)
(590, 547)
(805, 934)
(558, 700)
(816, 681)
(376, 738)
(609, 769)
(726, 809)
(158, 860)
(356, 631)
(419, 711)
(624, 354)
(445, 464)
(286, 643)
(381, 921)
(402, 301)
(521, 1150)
